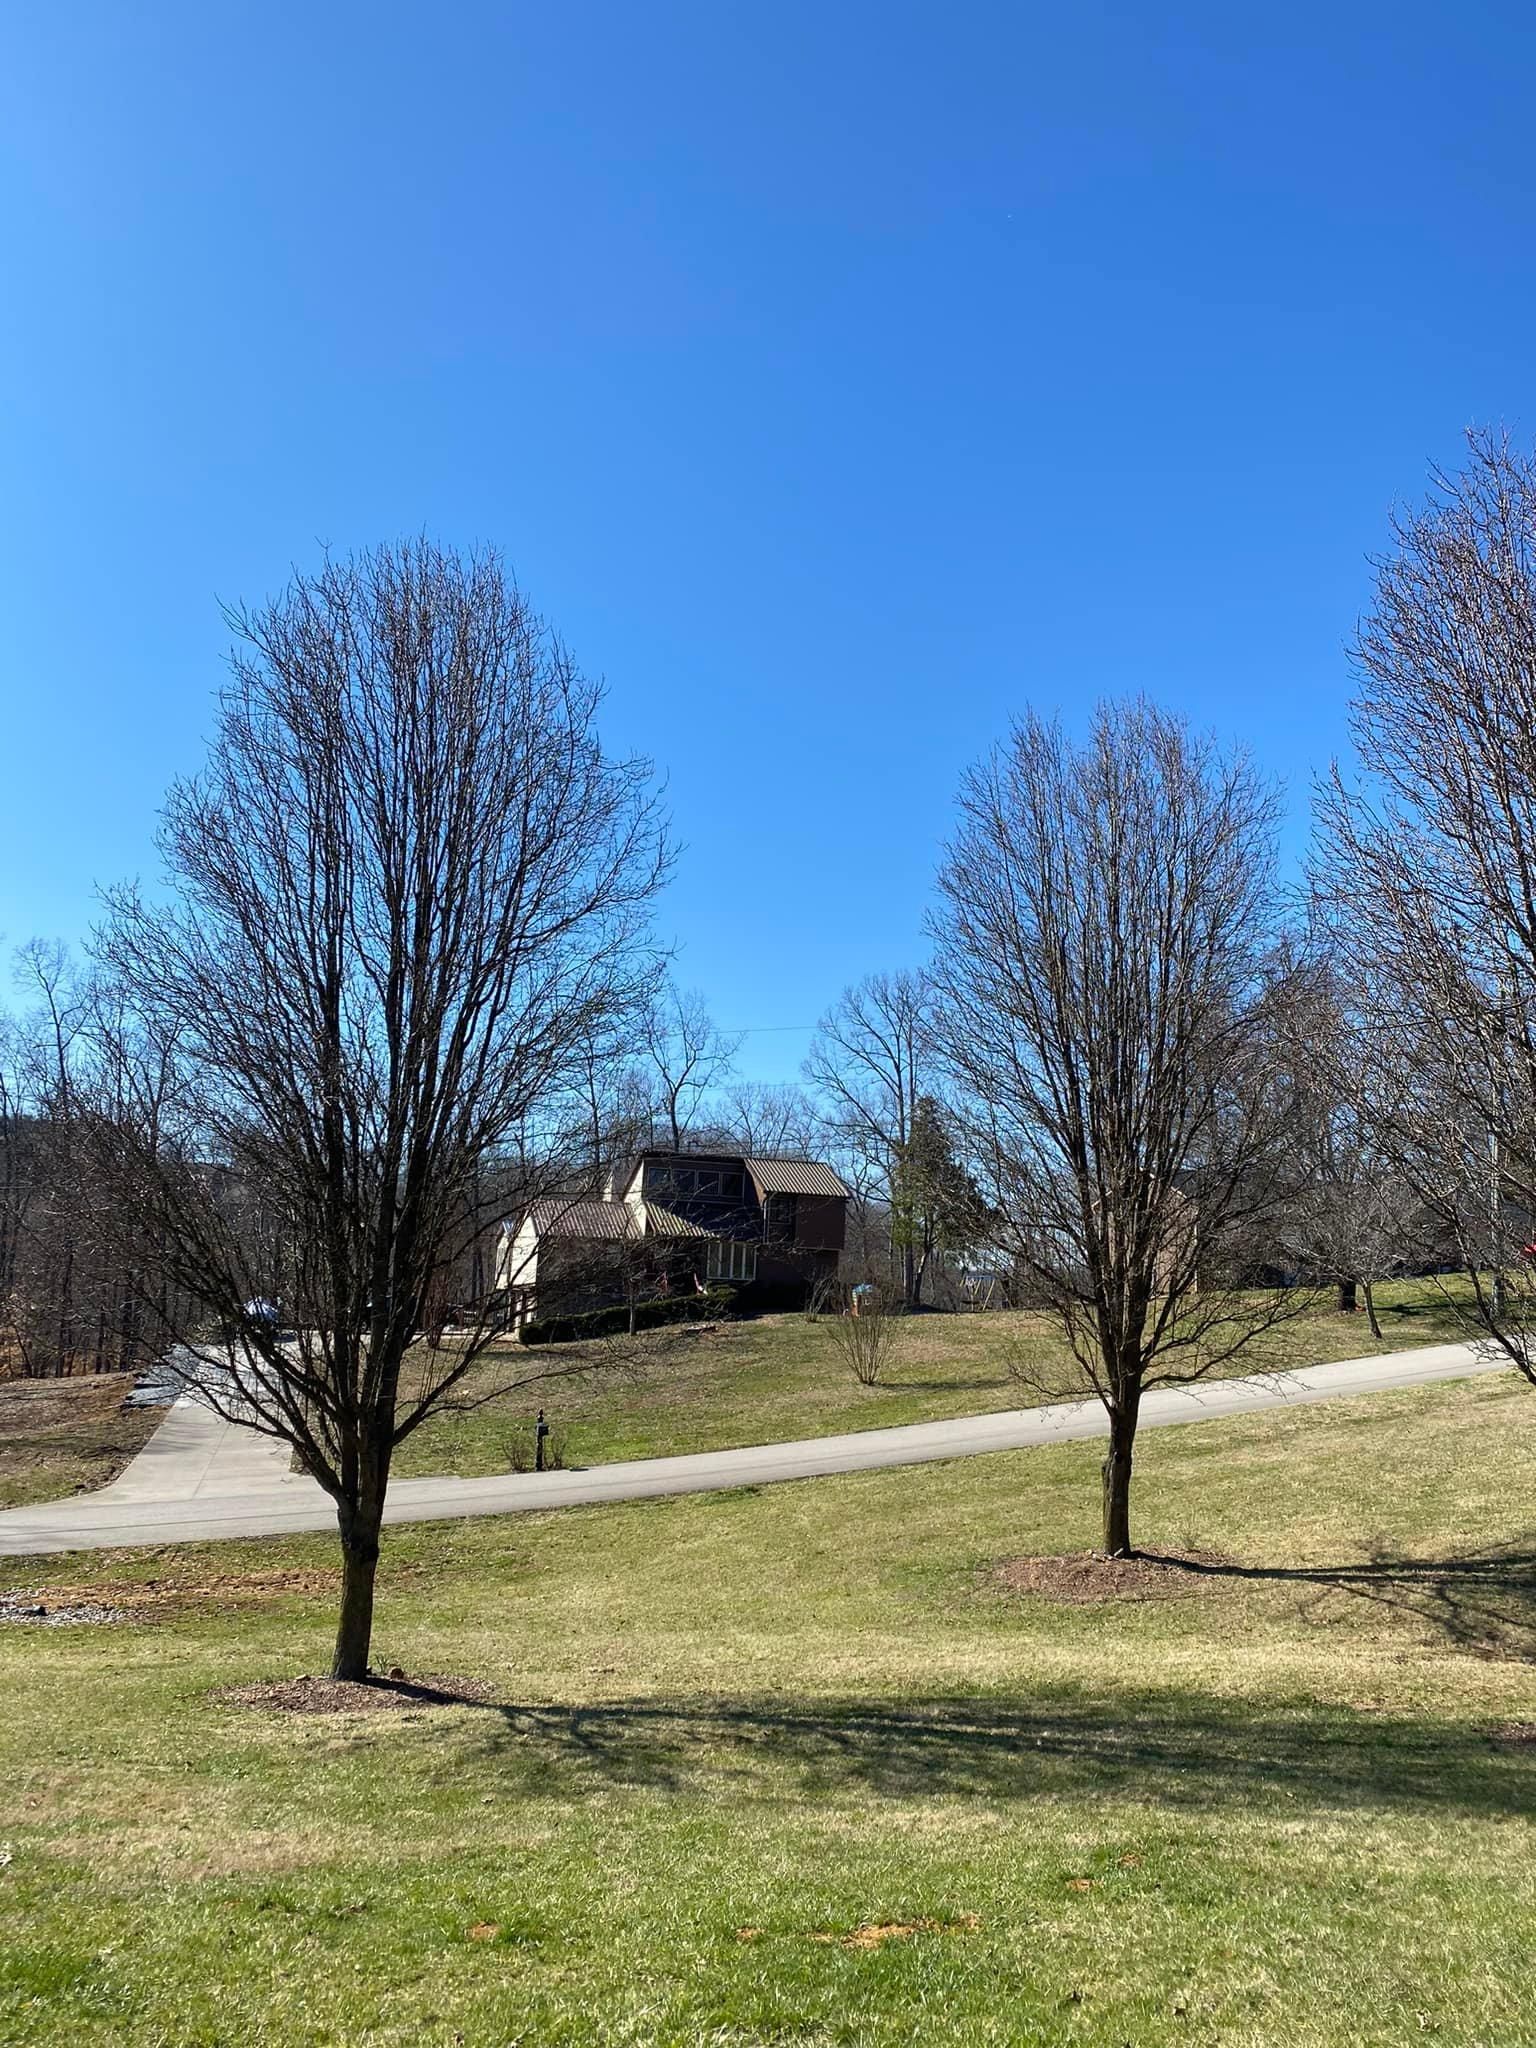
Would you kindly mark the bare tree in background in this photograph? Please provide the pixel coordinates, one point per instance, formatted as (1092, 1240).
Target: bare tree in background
(617, 1104)
(1354, 1219)
(409, 887)
(689, 1056)
(769, 1118)
(1427, 870)
(1102, 948)
(870, 1060)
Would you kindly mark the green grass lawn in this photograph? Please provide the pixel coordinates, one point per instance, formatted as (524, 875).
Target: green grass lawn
(781, 1377)
(1287, 1804)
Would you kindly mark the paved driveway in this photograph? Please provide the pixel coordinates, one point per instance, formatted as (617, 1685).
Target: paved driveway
(199, 1479)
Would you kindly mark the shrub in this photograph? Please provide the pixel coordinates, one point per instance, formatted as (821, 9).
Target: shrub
(649, 1315)
(868, 1343)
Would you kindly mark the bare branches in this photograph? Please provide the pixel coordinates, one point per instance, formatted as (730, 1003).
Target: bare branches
(871, 1061)
(689, 1055)
(1108, 991)
(1427, 869)
(868, 1337)
(410, 893)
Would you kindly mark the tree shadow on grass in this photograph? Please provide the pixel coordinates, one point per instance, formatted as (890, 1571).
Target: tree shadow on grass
(1482, 1602)
(979, 1383)
(1183, 1750)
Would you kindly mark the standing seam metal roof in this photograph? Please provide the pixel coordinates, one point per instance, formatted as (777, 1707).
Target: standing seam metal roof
(795, 1177)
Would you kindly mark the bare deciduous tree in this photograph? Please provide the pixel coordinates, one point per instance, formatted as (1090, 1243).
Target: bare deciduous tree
(768, 1118)
(1105, 1013)
(1354, 1219)
(1427, 867)
(406, 895)
(870, 1061)
(689, 1055)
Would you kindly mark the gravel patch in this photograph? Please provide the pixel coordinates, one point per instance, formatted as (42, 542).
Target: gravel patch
(40, 1610)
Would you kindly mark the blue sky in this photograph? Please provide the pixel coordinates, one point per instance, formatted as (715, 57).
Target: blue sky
(838, 379)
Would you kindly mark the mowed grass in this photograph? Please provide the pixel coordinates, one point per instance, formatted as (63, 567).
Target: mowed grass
(1290, 1804)
(781, 1377)
(59, 1437)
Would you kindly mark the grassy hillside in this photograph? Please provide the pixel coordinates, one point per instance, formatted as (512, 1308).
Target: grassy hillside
(781, 1377)
(796, 1766)
(64, 1436)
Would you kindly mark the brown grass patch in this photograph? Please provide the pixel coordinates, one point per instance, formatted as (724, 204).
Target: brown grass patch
(344, 1696)
(1086, 1578)
(141, 1599)
(876, 1933)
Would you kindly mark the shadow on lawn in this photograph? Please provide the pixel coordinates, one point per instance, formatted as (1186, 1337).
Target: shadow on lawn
(1483, 1602)
(1184, 1750)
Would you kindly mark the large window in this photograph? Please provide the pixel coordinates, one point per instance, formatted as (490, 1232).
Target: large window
(732, 1261)
(695, 1183)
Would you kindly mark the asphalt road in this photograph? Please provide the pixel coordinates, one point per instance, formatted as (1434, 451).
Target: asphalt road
(200, 1480)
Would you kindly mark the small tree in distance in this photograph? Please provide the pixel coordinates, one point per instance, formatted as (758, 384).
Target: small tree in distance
(409, 887)
(1104, 963)
(868, 1337)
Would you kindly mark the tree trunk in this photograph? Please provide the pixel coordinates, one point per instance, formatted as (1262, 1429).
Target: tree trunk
(1116, 1471)
(911, 1279)
(1346, 1297)
(1370, 1311)
(359, 1523)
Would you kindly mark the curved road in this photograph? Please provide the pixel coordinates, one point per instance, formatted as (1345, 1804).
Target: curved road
(199, 1479)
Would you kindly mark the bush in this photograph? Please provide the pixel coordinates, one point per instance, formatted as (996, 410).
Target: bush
(649, 1315)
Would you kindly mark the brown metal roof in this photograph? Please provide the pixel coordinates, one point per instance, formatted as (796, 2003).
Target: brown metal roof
(556, 1216)
(794, 1177)
(667, 1223)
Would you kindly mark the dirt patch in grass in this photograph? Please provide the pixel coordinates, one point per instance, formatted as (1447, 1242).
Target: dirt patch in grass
(1086, 1578)
(875, 1934)
(145, 1599)
(344, 1696)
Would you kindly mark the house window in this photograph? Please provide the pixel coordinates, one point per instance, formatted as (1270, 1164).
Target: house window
(732, 1261)
(696, 1183)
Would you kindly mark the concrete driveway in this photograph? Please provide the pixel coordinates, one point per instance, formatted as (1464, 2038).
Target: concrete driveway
(199, 1479)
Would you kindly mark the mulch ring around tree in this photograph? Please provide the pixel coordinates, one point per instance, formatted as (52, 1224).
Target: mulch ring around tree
(395, 1694)
(1087, 1578)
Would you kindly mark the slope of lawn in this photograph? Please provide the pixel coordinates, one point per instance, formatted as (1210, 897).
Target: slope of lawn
(59, 1437)
(781, 1377)
(792, 1766)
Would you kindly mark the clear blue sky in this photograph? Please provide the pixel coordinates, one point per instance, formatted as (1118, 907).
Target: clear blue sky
(838, 379)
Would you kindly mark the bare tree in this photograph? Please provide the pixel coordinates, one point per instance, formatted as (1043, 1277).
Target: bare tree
(689, 1056)
(617, 1105)
(870, 1060)
(769, 1118)
(1354, 1218)
(868, 1337)
(1427, 868)
(1102, 960)
(408, 889)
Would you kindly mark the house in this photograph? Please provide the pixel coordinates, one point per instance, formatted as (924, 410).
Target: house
(771, 1228)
